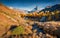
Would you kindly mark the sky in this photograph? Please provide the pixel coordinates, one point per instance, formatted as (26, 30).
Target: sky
(29, 4)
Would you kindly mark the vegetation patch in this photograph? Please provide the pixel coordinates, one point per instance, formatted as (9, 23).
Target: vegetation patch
(17, 31)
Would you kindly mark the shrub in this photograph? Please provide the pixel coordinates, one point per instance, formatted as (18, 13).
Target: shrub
(18, 30)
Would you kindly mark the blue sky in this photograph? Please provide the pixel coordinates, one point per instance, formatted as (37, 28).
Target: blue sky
(29, 4)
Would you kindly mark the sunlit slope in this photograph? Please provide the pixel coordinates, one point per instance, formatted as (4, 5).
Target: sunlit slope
(5, 19)
(9, 17)
(13, 14)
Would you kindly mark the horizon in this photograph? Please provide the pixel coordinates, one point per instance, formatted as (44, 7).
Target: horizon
(29, 4)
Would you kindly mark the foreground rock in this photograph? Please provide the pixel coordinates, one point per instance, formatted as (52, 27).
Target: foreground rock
(52, 28)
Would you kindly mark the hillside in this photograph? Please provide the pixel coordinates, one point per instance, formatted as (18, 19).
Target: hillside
(9, 17)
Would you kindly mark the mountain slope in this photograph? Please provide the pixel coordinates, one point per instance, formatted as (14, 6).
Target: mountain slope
(52, 8)
(9, 17)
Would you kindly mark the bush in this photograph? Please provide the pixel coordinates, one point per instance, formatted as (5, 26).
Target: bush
(17, 31)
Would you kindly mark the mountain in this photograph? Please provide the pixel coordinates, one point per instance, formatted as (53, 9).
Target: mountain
(52, 8)
(33, 10)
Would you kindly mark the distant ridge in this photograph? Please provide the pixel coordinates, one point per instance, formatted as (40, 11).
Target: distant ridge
(1, 4)
(52, 8)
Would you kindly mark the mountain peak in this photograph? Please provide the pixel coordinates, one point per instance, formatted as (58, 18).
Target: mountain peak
(48, 7)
